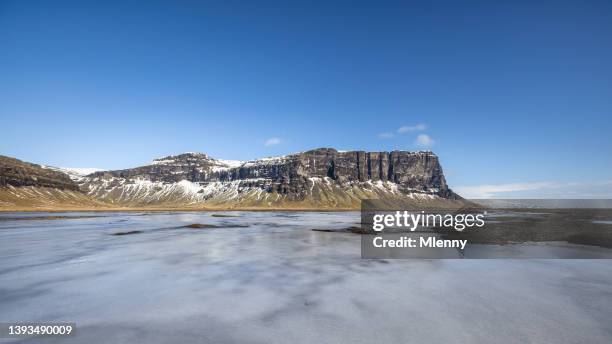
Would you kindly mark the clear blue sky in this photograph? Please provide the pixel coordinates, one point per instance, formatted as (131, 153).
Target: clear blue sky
(506, 92)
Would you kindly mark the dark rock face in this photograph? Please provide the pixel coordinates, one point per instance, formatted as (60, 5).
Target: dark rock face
(170, 169)
(18, 173)
(420, 171)
(416, 171)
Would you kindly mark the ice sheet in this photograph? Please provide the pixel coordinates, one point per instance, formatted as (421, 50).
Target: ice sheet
(277, 281)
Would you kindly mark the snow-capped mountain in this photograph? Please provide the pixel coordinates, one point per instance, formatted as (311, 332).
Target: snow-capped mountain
(322, 177)
(319, 178)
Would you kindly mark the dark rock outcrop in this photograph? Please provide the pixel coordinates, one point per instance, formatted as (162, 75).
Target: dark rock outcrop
(170, 169)
(17, 173)
(416, 171)
(322, 178)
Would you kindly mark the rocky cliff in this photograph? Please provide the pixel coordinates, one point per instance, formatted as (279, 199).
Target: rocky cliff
(315, 179)
(321, 177)
(18, 173)
(194, 167)
(417, 171)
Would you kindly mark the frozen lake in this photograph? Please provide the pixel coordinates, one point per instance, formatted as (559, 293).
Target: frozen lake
(264, 277)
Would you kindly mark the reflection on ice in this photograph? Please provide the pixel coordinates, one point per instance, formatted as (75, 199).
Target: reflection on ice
(274, 280)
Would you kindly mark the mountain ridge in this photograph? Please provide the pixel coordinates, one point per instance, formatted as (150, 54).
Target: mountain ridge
(322, 178)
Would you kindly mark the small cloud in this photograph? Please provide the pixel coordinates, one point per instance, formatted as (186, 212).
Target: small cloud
(272, 141)
(539, 190)
(424, 140)
(411, 128)
(403, 130)
(498, 190)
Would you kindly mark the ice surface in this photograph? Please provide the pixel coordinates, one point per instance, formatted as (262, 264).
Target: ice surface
(277, 281)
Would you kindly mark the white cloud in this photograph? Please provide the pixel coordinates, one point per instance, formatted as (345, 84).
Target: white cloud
(424, 140)
(548, 190)
(411, 128)
(272, 141)
(494, 190)
(403, 130)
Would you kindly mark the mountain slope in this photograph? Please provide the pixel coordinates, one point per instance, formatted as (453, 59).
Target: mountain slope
(26, 186)
(19, 173)
(44, 198)
(320, 178)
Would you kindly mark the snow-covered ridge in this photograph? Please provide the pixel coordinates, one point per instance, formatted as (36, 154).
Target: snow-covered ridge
(173, 159)
(322, 177)
(143, 191)
(190, 158)
(74, 172)
(267, 161)
(217, 164)
(231, 163)
(224, 164)
(319, 176)
(80, 171)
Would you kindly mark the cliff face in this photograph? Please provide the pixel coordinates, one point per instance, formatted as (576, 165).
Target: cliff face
(194, 167)
(321, 177)
(420, 171)
(17, 173)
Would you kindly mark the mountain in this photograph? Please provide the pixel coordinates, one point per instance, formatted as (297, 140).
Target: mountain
(18, 173)
(26, 186)
(315, 179)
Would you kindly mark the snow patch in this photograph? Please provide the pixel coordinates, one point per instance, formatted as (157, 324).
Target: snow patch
(81, 171)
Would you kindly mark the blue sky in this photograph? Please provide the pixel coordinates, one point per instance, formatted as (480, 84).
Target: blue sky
(510, 95)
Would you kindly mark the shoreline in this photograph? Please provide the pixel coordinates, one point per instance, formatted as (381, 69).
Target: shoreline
(259, 209)
(170, 209)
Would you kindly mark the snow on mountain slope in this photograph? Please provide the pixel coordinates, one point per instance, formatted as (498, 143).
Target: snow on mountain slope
(320, 178)
(79, 171)
(75, 173)
(320, 193)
